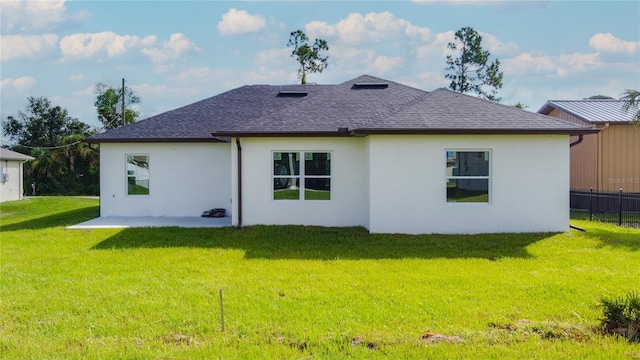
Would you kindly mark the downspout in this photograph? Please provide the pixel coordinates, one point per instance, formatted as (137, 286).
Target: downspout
(580, 138)
(239, 183)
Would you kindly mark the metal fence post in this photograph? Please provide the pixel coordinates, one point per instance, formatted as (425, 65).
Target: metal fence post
(620, 208)
(591, 204)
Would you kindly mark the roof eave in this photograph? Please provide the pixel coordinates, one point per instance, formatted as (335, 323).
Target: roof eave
(485, 131)
(155, 140)
(16, 159)
(438, 131)
(340, 133)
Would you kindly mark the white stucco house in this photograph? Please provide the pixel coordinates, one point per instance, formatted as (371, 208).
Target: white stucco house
(367, 152)
(11, 174)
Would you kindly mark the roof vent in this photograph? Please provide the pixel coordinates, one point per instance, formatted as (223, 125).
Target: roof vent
(292, 93)
(371, 85)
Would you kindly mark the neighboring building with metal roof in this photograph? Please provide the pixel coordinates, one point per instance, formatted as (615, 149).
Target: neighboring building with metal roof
(368, 152)
(11, 174)
(610, 160)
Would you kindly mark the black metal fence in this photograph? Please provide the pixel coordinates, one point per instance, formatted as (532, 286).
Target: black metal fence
(622, 208)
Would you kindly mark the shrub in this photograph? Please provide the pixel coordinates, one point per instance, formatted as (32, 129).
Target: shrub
(622, 316)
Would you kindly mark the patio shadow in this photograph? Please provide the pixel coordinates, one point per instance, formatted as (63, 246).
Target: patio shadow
(319, 243)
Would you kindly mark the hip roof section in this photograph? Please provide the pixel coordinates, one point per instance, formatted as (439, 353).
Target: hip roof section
(361, 106)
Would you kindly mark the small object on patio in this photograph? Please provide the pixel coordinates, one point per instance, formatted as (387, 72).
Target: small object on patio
(215, 212)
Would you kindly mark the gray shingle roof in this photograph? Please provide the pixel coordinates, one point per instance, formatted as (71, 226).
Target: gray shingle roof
(591, 110)
(321, 110)
(6, 154)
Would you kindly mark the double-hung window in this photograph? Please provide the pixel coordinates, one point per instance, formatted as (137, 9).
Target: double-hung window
(137, 174)
(468, 175)
(301, 175)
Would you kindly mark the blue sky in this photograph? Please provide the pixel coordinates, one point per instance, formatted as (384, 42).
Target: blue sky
(173, 53)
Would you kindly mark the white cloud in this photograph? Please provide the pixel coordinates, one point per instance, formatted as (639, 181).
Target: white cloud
(437, 47)
(88, 91)
(34, 16)
(26, 46)
(76, 77)
(609, 43)
(240, 22)
(529, 63)
(562, 65)
(496, 47)
(94, 44)
(577, 62)
(164, 68)
(432, 80)
(193, 74)
(146, 90)
(351, 58)
(357, 29)
(385, 64)
(267, 75)
(274, 56)
(21, 83)
(177, 45)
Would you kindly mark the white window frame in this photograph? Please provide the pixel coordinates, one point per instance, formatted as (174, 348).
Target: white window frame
(463, 177)
(302, 176)
(126, 173)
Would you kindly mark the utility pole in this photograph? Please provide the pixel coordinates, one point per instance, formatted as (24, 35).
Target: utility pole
(124, 122)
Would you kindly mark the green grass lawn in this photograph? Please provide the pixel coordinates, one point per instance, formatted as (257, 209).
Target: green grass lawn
(303, 292)
(134, 189)
(288, 194)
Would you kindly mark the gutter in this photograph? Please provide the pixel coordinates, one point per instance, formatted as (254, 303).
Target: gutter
(580, 138)
(239, 226)
(92, 140)
(346, 132)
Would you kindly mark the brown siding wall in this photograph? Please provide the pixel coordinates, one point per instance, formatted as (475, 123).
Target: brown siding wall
(607, 161)
(584, 167)
(619, 158)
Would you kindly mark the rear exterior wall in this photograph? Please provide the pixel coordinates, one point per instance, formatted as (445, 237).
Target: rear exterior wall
(528, 185)
(347, 206)
(398, 184)
(185, 179)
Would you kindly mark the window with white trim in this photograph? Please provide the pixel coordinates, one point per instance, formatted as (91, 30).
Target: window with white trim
(301, 175)
(468, 175)
(137, 174)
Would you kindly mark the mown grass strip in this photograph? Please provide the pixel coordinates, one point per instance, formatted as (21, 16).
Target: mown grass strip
(296, 292)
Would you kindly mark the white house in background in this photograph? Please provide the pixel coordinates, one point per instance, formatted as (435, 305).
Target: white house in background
(367, 152)
(11, 162)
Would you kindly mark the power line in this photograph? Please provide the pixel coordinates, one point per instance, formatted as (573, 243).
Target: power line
(50, 147)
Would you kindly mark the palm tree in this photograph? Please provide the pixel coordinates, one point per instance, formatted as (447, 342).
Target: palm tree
(631, 100)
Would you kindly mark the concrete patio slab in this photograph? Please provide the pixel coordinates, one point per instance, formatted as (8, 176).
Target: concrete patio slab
(130, 222)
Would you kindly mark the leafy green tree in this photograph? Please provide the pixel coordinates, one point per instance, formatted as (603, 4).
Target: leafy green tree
(600, 97)
(63, 164)
(109, 106)
(520, 105)
(308, 55)
(631, 102)
(471, 70)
